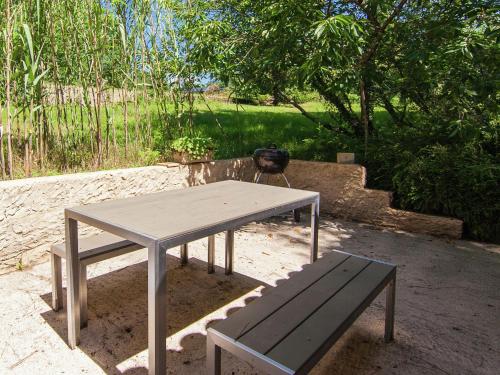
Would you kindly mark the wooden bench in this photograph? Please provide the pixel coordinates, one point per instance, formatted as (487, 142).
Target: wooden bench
(104, 246)
(290, 328)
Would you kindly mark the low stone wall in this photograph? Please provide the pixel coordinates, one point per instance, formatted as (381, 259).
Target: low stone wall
(343, 194)
(342, 189)
(32, 217)
(32, 209)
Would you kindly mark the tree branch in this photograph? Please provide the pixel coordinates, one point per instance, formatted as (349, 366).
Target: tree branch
(329, 9)
(379, 33)
(347, 115)
(306, 114)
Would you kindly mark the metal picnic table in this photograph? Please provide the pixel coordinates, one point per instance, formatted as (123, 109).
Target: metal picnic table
(168, 219)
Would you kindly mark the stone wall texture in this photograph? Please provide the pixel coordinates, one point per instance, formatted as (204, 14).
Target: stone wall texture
(32, 210)
(343, 193)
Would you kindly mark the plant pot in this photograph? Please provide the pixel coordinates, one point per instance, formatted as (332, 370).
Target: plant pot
(184, 157)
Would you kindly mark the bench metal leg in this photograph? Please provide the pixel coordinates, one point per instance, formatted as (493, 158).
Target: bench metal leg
(314, 230)
(211, 254)
(57, 302)
(389, 310)
(229, 251)
(184, 254)
(83, 296)
(73, 281)
(213, 357)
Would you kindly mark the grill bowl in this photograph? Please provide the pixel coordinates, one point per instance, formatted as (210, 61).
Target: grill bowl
(271, 160)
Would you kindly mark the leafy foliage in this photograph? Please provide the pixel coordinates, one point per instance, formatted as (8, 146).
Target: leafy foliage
(410, 86)
(433, 66)
(459, 182)
(196, 147)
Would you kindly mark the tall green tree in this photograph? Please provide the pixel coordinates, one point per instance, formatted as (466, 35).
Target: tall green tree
(397, 54)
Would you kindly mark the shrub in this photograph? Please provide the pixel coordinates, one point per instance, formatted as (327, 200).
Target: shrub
(149, 157)
(451, 180)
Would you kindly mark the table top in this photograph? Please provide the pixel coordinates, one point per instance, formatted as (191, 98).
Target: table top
(180, 216)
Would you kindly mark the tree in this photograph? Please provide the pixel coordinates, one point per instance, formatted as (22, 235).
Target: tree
(392, 53)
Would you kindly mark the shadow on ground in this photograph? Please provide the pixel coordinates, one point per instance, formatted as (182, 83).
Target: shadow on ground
(117, 301)
(447, 306)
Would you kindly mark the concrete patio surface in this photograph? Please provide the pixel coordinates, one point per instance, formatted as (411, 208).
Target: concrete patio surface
(447, 307)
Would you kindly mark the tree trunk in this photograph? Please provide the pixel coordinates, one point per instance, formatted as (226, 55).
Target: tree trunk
(26, 146)
(113, 127)
(125, 118)
(364, 112)
(345, 113)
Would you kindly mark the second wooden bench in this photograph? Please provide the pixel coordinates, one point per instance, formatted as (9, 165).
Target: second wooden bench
(289, 329)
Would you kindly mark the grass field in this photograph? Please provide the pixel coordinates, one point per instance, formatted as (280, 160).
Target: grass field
(237, 130)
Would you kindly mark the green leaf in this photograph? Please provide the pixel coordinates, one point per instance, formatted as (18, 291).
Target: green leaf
(29, 40)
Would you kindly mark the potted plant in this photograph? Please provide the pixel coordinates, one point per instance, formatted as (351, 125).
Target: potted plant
(187, 150)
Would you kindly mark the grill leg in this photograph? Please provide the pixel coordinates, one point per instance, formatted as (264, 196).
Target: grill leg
(389, 310)
(258, 177)
(184, 254)
(211, 254)
(286, 180)
(296, 213)
(213, 357)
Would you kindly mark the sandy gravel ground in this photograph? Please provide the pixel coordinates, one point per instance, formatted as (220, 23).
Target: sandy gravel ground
(447, 309)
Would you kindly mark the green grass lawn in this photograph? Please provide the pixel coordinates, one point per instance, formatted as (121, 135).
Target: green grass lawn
(244, 128)
(237, 130)
(248, 127)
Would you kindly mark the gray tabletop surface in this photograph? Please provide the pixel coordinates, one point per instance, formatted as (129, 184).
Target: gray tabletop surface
(175, 213)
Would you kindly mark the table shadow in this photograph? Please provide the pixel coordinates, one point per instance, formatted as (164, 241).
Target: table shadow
(117, 303)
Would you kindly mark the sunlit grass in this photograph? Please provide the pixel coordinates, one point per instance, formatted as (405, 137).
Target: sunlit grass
(237, 130)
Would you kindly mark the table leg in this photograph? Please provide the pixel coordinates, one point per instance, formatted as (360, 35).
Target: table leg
(389, 310)
(211, 254)
(73, 281)
(314, 230)
(57, 291)
(157, 294)
(184, 254)
(83, 296)
(229, 251)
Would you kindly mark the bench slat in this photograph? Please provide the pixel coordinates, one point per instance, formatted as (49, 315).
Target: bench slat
(94, 245)
(277, 326)
(248, 317)
(316, 334)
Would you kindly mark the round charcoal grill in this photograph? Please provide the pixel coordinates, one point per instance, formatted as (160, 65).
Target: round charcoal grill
(272, 160)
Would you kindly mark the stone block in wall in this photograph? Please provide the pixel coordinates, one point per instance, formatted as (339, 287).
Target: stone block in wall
(345, 158)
